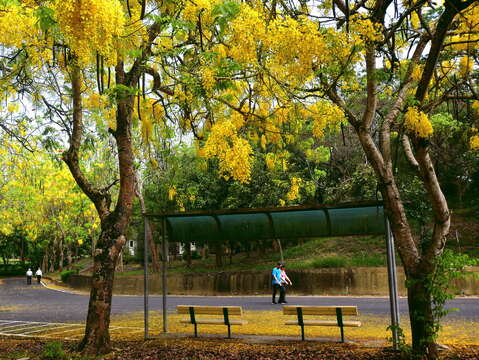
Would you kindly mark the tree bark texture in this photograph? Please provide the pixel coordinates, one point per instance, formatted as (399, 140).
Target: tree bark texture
(421, 317)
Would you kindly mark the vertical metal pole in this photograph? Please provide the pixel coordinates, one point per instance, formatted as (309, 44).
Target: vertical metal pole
(164, 278)
(393, 292)
(145, 275)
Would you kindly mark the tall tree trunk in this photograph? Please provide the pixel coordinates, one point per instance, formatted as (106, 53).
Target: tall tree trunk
(97, 335)
(114, 223)
(421, 317)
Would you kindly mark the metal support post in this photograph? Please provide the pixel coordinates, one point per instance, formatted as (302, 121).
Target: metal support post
(392, 279)
(164, 278)
(145, 276)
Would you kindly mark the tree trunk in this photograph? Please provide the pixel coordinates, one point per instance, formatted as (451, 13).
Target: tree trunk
(53, 259)
(45, 261)
(423, 327)
(60, 254)
(97, 335)
(119, 265)
(69, 256)
(187, 253)
(219, 254)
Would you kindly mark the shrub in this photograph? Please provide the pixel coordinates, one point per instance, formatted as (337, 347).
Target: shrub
(330, 262)
(13, 269)
(377, 260)
(53, 351)
(65, 275)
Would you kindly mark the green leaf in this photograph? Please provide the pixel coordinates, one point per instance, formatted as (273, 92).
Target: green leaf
(46, 19)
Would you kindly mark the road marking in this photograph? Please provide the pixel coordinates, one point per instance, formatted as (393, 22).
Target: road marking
(36, 329)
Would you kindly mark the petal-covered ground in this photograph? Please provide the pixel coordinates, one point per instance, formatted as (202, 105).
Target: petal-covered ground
(214, 348)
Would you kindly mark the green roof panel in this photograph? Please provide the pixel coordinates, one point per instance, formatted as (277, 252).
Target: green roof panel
(357, 221)
(298, 224)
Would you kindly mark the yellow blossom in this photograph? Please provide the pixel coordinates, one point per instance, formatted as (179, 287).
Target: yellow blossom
(417, 122)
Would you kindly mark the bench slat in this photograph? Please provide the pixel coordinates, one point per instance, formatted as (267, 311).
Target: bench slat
(209, 310)
(324, 323)
(321, 310)
(214, 321)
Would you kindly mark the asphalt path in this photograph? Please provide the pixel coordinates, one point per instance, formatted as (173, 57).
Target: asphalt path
(19, 301)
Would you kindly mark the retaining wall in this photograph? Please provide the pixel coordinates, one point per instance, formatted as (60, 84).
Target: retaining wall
(337, 281)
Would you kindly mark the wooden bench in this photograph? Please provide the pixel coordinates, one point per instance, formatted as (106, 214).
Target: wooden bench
(224, 311)
(338, 311)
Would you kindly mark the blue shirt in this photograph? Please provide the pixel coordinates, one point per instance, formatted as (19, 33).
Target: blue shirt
(276, 275)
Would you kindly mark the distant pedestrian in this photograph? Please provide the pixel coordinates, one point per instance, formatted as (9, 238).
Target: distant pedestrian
(276, 274)
(29, 276)
(39, 274)
(285, 281)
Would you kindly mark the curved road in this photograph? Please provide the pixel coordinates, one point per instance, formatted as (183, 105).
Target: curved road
(19, 301)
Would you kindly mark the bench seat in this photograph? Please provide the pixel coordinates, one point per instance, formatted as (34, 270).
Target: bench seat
(215, 321)
(323, 323)
(337, 311)
(224, 314)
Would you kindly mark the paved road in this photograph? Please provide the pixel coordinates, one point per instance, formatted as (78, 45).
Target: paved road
(37, 303)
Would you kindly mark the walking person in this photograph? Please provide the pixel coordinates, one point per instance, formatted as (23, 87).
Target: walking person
(276, 274)
(29, 276)
(285, 281)
(39, 274)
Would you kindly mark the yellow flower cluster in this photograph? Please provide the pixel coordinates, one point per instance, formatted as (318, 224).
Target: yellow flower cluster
(17, 24)
(365, 28)
(19, 29)
(194, 9)
(474, 142)
(150, 113)
(294, 190)
(415, 22)
(270, 161)
(233, 152)
(91, 26)
(417, 122)
(417, 72)
(325, 115)
(247, 30)
(171, 193)
(208, 79)
(475, 106)
(306, 47)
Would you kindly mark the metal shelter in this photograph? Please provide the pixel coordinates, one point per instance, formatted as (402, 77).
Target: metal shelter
(366, 218)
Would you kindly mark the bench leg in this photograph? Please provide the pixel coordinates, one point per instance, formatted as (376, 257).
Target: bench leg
(302, 332)
(229, 331)
(196, 330)
(342, 334)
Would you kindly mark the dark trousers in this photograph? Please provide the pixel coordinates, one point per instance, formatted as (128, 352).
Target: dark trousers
(39, 278)
(277, 287)
(29, 280)
(282, 294)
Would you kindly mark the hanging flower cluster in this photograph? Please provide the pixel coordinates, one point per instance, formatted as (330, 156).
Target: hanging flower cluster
(417, 122)
(91, 27)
